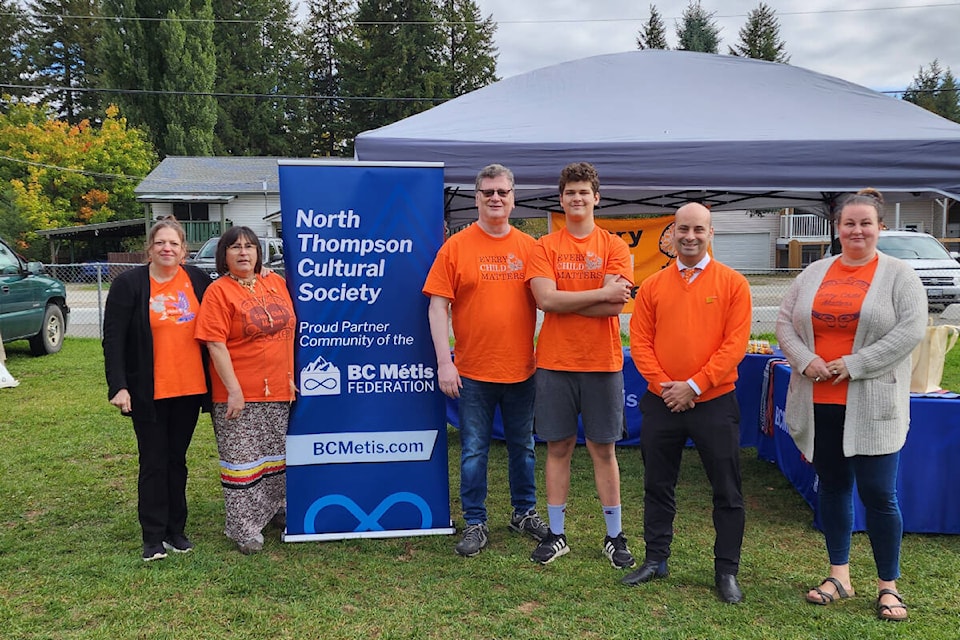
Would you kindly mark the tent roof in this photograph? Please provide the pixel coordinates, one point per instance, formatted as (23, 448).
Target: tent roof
(665, 127)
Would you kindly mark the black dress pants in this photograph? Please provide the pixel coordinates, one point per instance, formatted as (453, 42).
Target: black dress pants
(714, 427)
(162, 483)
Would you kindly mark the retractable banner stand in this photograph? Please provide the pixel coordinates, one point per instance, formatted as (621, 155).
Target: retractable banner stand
(367, 446)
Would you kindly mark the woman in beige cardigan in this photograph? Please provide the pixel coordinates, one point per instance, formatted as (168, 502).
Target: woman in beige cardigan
(847, 325)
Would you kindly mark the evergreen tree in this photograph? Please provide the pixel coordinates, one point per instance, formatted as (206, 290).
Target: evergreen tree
(653, 34)
(61, 47)
(255, 55)
(391, 63)
(935, 89)
(126, 65)
(760, 37)
(923, 88)
(470, 56)
(698, 31)
(13, 24)
(948, 99)
(174, 54)
(326, 131)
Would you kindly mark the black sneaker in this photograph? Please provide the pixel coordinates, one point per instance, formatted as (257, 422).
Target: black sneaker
(153, 552)
(616, 551)
(474, 539)
(178, 543)
(531, 524)
(550, 548)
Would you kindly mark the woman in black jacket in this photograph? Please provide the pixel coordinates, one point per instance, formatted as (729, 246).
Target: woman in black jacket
(157, 374)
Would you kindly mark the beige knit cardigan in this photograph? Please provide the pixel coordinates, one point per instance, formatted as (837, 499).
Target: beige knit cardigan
(892, 322)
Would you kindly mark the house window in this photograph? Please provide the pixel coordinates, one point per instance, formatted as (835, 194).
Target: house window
(191, 210)
(810, 253)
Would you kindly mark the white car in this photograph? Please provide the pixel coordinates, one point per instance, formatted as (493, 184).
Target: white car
(938, 268)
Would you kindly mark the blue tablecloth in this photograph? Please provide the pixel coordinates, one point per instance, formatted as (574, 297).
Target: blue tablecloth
(929, 462)
(749, 393)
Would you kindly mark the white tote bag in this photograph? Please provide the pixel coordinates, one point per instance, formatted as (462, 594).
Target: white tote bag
(928, 357)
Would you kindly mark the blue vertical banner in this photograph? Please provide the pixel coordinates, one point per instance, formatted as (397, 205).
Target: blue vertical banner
(367, 445)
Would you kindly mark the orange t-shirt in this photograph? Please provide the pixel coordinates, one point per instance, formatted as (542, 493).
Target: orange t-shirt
(835, 316)
(570, 341)
(258, 329)
(177, 363)
(494, 313)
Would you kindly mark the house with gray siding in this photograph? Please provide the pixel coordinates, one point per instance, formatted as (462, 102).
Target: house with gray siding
(210, 194)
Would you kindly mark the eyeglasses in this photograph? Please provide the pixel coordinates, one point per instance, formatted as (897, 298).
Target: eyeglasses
(247, 246)
(503, 193)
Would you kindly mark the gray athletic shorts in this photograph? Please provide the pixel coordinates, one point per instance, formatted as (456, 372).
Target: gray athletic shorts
(596, 396)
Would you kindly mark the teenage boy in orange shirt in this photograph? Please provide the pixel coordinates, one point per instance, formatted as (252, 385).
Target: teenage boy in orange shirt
(581, 278)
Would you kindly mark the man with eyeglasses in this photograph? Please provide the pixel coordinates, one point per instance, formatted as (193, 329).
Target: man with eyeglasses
(581, 277)
(479, 276)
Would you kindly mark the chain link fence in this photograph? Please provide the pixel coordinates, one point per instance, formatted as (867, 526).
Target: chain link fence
(767, 290)
(88, 285)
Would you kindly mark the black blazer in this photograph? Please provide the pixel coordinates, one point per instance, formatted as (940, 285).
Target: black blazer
(128, 341)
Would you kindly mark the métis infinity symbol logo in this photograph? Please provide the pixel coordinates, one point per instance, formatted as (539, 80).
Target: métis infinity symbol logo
(367, 521)
(327, 383)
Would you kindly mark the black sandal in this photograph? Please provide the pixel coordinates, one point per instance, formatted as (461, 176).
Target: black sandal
(884, 611)
(829, 598)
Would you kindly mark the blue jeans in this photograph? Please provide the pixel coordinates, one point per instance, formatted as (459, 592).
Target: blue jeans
(876, 480)
(478, 403)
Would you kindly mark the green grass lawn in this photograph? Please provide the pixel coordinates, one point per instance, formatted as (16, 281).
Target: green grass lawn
(70, 551)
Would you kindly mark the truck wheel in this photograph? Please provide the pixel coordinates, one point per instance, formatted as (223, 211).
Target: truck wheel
(50, 338)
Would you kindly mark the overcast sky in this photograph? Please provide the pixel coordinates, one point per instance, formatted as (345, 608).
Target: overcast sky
(880, 44)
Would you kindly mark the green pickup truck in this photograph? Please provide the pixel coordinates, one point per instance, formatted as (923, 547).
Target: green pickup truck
(33, 306)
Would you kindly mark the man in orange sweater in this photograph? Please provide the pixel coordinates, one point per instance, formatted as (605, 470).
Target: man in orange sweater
(689, 331)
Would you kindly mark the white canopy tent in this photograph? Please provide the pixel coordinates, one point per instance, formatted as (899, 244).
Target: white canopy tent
(666, 127)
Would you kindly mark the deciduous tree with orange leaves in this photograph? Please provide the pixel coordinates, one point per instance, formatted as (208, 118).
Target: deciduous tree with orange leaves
(55, 174)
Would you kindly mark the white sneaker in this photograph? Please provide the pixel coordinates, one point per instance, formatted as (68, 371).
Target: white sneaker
(7, 380)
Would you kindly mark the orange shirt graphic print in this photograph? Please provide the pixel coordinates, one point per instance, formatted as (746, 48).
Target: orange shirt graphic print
(171, 308)
(578, 266)
(594, 262)
(267, 318)
(501, 267)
